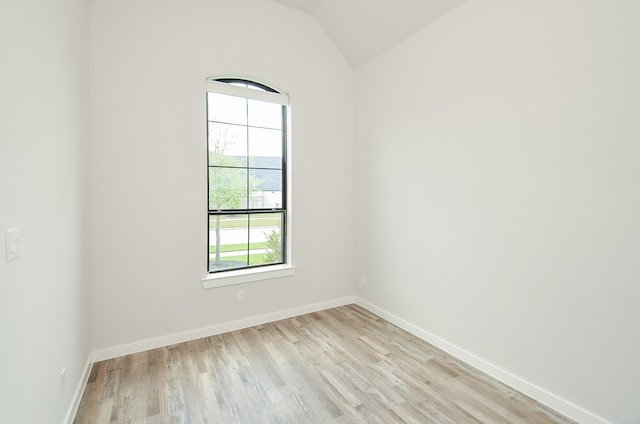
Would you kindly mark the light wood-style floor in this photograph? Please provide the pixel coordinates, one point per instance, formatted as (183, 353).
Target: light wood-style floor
(342, 365)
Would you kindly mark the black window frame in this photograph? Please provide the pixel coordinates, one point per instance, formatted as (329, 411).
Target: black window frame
(248, 211)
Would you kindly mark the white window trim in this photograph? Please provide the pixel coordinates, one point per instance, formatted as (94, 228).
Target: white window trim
(248, 275)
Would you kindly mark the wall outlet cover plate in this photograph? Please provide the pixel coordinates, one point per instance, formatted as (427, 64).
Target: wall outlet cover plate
(13, 243)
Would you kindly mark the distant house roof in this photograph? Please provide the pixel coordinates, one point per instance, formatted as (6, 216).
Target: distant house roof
(269, 172)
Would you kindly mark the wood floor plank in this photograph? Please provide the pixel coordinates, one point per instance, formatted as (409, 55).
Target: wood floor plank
(342, 365)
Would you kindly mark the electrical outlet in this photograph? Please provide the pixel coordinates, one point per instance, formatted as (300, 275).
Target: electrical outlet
(363, 279)
(240, 296)
(63, 379)
(13, 243)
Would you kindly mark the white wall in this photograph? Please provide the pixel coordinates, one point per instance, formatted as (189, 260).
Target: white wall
(148, 161)
(498, 170)
(43, 191)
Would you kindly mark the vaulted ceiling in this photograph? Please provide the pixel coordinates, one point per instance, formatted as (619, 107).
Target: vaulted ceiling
(363, 29)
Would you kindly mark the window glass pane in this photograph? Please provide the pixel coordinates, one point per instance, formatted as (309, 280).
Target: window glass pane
(246, 85)
(265, 114)
(227, 188)
(227, 109)
(267, 193)
(227, 145)
(265, 148)
(265, 237)
(228, 242)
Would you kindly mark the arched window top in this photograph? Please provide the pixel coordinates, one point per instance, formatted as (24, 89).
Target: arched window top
(246, 88)
(247, 83)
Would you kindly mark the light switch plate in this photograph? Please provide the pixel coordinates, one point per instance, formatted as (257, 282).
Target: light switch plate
(13, 243)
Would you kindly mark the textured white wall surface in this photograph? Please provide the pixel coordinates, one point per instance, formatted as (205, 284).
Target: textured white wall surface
(148, 160)
(44, 136)
(498, 171)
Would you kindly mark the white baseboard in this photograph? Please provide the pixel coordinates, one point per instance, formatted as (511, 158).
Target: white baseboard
(546, 398)
(149, 344)
(77, 395)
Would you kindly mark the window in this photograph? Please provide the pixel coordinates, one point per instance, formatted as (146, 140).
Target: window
(247, 175)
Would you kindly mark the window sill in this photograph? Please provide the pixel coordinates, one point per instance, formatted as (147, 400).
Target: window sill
(229, 278)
